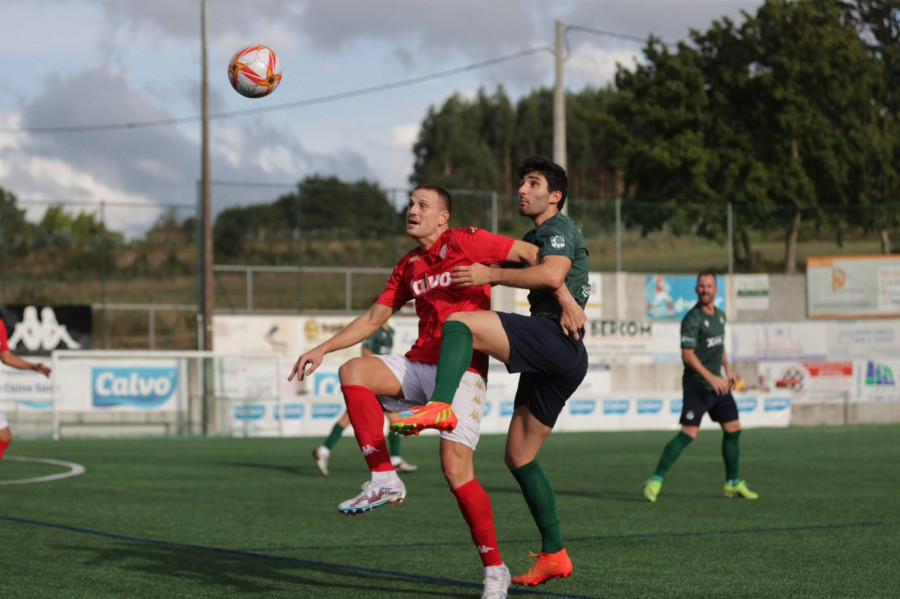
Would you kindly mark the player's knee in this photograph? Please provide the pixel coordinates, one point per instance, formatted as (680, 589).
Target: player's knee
(6, 435)
(350, 372)
(457, 316)
(457, 472)
(515, 460)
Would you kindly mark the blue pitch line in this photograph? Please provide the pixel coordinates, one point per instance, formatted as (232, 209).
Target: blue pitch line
(293, 560)
(648, 535)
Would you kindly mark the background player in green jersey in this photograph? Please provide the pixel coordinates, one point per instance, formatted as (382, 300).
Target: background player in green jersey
(379, 343)
(705, 390)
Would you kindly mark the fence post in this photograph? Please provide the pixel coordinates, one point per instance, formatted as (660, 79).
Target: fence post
(299, 251)
(493, 212)
(152, 331)
(3, 243)
(249, 281)
(618, 234)
(103, 322)
(730, 240)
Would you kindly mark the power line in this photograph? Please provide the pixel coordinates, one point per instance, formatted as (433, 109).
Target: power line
(286, 106)
(621, 36)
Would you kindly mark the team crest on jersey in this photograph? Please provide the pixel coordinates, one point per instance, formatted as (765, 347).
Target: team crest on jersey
(412, 259)
(443, 251)
(721, 320)
(706, 323)
(586, 291)
(558, 242)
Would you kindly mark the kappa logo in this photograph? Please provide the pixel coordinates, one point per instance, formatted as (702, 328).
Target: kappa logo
(484, 549)
(44, 333)
(368, 450)
(557, 242)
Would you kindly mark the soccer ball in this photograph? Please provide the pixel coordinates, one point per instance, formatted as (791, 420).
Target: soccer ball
(254, 71)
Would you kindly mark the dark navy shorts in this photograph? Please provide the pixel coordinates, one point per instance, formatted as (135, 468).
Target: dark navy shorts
(697, 402)
(552, 364)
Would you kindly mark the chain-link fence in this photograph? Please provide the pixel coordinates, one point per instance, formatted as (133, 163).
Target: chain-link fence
(330, 249)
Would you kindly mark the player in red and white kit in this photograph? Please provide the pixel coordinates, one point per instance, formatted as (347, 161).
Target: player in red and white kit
(11, 359)
(375, 384)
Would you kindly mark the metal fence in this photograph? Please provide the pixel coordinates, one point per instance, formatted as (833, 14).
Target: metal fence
(137, 263)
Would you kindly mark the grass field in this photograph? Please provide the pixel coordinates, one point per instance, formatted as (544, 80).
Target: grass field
(252, 517)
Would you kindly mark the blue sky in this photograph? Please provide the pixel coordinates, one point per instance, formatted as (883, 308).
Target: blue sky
(98, 62)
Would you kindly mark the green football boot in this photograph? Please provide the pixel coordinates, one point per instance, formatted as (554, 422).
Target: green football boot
(651, 489)
(739, 490)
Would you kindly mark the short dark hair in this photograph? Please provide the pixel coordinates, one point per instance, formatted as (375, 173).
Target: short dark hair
(441, 192)
(708, 273)
(555, 175)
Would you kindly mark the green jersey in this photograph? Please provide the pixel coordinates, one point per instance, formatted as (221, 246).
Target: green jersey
(560, 236)
(380, 342)
(705, 334)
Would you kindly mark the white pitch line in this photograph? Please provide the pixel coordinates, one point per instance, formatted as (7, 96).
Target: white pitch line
(74, 470)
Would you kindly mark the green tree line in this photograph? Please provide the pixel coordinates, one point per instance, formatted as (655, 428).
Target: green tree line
(790, 116)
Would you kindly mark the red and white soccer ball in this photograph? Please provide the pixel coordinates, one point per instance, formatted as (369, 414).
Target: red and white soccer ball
(254, 71)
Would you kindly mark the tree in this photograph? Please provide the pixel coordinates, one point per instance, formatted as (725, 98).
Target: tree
(772, 115)
(16, 231)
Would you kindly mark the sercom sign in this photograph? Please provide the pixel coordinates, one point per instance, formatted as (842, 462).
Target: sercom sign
(135, 387)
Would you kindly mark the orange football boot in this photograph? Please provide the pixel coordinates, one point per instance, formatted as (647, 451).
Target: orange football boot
(547, 566)
(437, 415)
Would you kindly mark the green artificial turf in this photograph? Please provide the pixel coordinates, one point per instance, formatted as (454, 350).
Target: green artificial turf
(252, 517)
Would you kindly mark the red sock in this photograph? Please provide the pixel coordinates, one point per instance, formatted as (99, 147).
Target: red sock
(475, 506)
(367, 419)
(3, 446)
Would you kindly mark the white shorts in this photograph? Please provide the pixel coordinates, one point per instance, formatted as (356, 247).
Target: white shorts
(417, 380)
(3, 422)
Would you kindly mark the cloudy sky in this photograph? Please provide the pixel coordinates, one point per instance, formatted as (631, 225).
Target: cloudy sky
(96, 66)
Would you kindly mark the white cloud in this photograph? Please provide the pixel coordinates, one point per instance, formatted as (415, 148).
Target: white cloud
(594, 66)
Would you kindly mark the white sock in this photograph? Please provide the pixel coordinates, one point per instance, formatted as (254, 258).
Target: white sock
(323, 451)
(498, 571)
(386, 478)
(395, 460)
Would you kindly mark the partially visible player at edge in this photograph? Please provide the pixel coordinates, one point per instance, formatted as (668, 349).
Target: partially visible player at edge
(703, 354)
(375, 384)
(546, 347)
(379, 343)
(11, 359)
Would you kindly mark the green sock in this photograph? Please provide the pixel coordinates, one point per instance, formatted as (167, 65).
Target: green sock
(393, 442)
(541, 502)
(670, 454)
(454, 360)
(335, 435)
(731, 453)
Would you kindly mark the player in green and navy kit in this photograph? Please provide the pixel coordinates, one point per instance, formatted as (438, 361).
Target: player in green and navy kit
(705, 390)
(378, 344)
(547, 348)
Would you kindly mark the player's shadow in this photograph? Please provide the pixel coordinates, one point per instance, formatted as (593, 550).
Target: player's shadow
(230, 573)
(605, 495)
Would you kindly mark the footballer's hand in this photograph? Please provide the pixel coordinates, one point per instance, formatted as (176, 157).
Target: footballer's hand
(471, 275)
(306, 364)
(43, 369)
(720, 385)
(572, 319)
